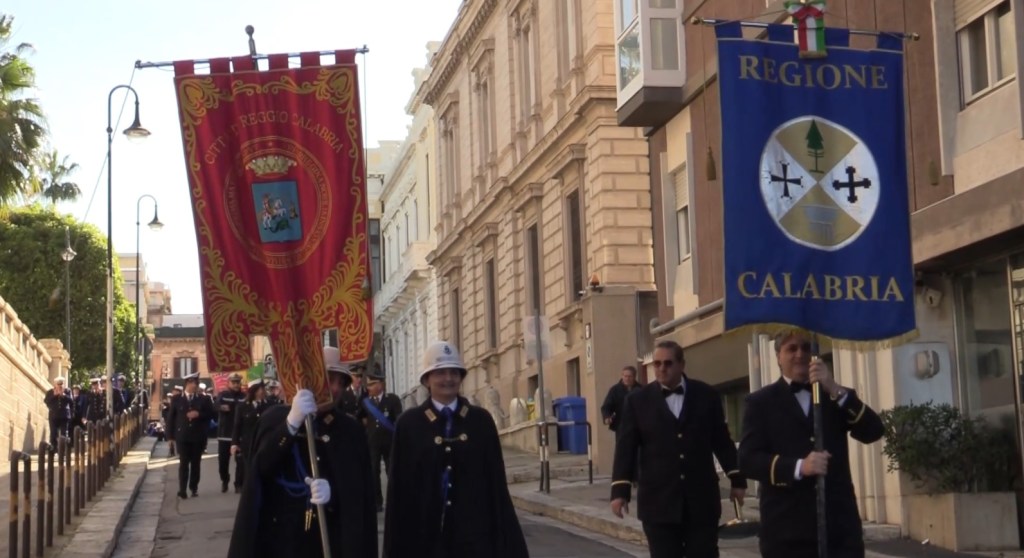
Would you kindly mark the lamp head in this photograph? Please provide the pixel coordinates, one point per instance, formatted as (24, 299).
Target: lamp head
(136, 132)
(155, 224)
(68, 254)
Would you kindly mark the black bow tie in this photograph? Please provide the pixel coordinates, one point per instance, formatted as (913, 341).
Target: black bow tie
(677, 390)
(797, 387)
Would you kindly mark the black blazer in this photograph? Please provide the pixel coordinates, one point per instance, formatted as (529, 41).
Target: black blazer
(776, 433)
(677, 467)
(185, 430)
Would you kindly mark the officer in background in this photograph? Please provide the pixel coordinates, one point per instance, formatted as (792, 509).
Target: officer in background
(247, 418)
(190, 418)
(227, 401)
(59, 405)
(273, 392)
(378, 412)
(96, 404)
(447, 493)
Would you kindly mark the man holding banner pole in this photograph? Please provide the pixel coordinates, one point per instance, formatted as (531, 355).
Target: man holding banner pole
(778, 449)
(817, 239)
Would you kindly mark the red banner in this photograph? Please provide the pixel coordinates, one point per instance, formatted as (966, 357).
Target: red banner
(276, 170)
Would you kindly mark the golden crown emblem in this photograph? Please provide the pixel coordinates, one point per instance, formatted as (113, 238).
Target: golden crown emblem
(271, 165)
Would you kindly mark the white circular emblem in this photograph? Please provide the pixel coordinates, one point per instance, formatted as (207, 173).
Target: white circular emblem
(819, 182)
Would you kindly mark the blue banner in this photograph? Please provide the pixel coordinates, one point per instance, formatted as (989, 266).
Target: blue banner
(817, 220)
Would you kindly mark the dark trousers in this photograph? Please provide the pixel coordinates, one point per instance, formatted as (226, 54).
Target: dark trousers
(676, 540)
(377, 453)
(849, 547)
(224, 463)
(190, 457)
(58, 427)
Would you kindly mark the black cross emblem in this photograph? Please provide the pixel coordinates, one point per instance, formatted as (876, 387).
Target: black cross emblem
(851, 185)
(785, 179)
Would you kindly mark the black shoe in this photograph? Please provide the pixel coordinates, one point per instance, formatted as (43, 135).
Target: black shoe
(195, 493)
(380, 508)
(182, 495)
(223, 487)
(238, 489)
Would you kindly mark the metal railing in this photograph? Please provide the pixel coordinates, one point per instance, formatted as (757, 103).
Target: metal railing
(80, 465)
(543, 438)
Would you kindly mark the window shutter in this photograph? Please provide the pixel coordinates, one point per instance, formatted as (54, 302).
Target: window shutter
(966, 11)
(195, 365)
(682, 188)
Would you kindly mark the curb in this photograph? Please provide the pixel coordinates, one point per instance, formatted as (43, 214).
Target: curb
(109, 514)
(586, 517)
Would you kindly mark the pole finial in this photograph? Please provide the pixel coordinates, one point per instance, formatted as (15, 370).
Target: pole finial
(249, 30)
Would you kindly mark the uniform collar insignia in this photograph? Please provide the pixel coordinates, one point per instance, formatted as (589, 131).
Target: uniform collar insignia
(329, 419)
(463, 410)
(431, 415)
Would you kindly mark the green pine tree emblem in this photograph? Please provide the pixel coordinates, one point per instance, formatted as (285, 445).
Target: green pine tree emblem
(815, 145)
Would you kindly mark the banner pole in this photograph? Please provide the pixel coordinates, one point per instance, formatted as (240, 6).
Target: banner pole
(764, 25)
(819, 446)
(314, 468)
(140, 65)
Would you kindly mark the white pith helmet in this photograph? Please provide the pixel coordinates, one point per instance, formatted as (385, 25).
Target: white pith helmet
(441, 355)
(332, 360)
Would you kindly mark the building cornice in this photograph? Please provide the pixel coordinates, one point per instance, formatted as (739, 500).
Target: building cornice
(486, 232)
(454, 47)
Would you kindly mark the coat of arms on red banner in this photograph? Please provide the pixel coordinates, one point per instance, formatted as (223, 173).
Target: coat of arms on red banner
(276, 171)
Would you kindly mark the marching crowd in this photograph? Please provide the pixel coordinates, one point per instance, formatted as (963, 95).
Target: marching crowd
(446, 492)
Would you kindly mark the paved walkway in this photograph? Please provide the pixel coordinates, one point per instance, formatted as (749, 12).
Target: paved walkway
(573, 520)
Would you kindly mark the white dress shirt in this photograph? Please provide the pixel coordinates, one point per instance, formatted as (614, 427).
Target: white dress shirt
(675, 400)
(440, 406)
(803, 397)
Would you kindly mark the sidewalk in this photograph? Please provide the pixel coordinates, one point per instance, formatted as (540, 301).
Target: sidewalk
(576, 502)
(89, 534)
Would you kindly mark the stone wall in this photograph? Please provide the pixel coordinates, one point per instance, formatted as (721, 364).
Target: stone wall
(27, 367)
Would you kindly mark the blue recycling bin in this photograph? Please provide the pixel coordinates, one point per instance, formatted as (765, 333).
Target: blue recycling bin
(572, 439)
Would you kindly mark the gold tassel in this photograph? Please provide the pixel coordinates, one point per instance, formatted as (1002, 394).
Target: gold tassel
(710, 170)
(933, 172)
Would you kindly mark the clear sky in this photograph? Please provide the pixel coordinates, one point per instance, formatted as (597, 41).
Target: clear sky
(83, 48)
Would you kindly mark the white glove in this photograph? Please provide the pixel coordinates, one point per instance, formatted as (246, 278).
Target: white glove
(320, 491)
(303, 404)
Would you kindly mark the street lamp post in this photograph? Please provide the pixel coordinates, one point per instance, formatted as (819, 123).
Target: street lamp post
(155, 225)
(67, 255)
(135, 131)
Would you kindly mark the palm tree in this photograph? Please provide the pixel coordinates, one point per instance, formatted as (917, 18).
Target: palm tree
(22, 125)
(54, 183)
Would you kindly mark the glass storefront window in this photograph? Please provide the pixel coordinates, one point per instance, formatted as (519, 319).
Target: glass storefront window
(985, 340)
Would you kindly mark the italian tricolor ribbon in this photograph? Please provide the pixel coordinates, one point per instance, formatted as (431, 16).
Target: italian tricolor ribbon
(809, 20)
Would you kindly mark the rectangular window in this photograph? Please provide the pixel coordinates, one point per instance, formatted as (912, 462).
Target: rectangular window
(407, 233)
(456, 319)
(376, 250)
(568, 36)
(664, 44)
(186, 366)
(426, 174)
(533, 268)
(985, 344)
(988, 55)
(575, 229)
(683, 232)
(491, 276)
(526, 80)
(572, 377)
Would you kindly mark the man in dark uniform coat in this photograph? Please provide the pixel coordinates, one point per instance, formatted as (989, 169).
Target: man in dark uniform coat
(277, 513)
(247, 417)
(777, 449)
(611, 409)
(60, 408)
(677, 427)
(119, 398)
(447, 494)
(273, 392)
(227, 401)
(378, 412)
(190, 419)
(96, 404)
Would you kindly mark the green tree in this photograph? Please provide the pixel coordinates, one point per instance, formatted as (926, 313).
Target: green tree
(32, 272)
(54, 172)
(22, 126)
(815, 145)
